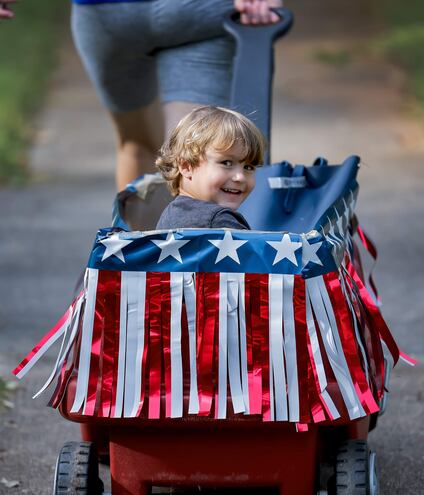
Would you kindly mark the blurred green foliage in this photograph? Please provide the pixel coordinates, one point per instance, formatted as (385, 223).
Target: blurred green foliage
(2, 389)
(403, 42)
(29, 50)
(338, 58)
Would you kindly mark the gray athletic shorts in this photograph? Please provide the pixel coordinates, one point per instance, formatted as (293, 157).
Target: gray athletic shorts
(136, 51)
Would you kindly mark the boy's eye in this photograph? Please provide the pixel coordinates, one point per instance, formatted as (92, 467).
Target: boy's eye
(250, 168)
(227, 163)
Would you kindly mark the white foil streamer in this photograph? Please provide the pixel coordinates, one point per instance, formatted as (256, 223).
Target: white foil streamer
(332, 318)
(243, 343)
(190, 304)
(40, 353)
(130, 392)
(317, 358)
(223, 348)
(233, 345)
(177, 395)
(120, 379)
(86, 337)
(338, 363)
(290, 348)
(71, 324)
(138, 364)
(276, 346)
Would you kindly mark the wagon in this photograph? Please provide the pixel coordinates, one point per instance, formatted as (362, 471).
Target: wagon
(224, 358)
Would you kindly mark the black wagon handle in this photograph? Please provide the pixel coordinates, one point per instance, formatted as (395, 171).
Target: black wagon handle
(253, 66)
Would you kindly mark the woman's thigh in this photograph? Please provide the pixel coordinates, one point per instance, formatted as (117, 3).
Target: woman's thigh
(114, 43)
(197, 72)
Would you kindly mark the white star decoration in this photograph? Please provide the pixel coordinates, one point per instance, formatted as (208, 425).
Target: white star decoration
(309, 252)
(227, 247)
(285, 249)
(170, 247)
(114, 245)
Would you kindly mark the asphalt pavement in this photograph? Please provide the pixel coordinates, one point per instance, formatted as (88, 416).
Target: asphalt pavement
(319, 110)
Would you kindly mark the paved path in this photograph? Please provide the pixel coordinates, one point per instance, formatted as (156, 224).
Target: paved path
(319, 110)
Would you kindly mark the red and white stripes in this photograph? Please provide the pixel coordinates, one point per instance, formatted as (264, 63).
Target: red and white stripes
(217, 344)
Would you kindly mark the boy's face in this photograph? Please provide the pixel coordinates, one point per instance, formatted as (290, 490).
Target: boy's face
(220, 177)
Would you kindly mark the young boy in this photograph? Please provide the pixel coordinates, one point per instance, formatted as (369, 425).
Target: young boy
(209, 162)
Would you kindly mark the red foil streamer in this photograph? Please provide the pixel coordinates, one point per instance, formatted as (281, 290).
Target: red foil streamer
(166, 338)
(262, 337)
(349, 342)
(252, 284)
(207, 297)
(110, 296)
(378, 320)
(153, 292)
(100, 314)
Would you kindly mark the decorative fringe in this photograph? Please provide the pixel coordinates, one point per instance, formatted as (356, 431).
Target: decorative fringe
(221, 344)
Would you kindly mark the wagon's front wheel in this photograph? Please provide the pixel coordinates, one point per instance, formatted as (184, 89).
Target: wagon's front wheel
(355, 471)
(77, 470)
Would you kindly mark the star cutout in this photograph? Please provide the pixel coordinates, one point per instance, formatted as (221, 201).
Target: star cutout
(334, 238)
(352, 203)
(170, 247)
(285, 249)
(346, 212)
(114, 245)
(339, 223)
(309, 252)
(227, 247)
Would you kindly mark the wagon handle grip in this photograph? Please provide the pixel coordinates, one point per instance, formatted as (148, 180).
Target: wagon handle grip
(253, 66)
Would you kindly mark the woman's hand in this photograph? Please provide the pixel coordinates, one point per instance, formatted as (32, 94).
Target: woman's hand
(5, 12)
(257, 11)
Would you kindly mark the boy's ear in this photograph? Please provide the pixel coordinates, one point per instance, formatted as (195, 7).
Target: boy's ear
(185, 169)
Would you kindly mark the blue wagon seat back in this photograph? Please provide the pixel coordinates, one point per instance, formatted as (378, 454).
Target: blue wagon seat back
(295, 198)
(222, 323)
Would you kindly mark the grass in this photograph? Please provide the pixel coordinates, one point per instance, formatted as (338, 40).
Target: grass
(403, 42)
(29, 51)
(6, 387)
(3, 390)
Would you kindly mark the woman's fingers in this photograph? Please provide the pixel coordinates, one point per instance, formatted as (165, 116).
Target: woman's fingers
(5, 11)
(257, 11)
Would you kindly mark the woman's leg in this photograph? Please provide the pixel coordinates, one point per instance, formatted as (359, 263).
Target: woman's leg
(174, 111)
(193, 75)
(139, 135)
(114, 43)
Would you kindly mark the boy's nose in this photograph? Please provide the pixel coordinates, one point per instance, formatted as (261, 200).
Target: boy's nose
(238, 176)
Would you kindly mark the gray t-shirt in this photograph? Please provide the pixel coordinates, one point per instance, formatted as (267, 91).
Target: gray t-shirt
(185, 212)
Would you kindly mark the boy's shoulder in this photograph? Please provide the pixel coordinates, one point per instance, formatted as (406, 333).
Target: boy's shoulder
(186, 212)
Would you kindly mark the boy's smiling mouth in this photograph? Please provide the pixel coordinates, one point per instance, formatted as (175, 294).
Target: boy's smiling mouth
(231, 191)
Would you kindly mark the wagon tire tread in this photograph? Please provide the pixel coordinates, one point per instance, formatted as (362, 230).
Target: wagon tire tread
(77, 470)
(352, 469)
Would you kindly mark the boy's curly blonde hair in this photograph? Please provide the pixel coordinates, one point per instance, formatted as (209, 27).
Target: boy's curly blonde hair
(207, 126)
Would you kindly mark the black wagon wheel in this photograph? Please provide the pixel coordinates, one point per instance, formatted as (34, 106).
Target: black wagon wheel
(355, 472)
(77, 470)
